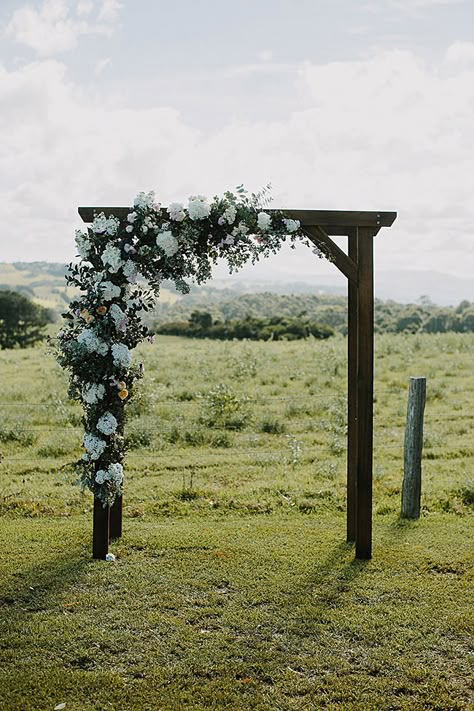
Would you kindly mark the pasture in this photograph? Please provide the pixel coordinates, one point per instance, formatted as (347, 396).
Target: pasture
(233, 587)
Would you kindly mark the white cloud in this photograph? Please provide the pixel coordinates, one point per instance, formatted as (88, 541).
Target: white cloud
(51, 29)
(460, 53)
(101, 65)
(265, 55)
(110, 10)
(420, 4)
(392, 132)
(84, 7)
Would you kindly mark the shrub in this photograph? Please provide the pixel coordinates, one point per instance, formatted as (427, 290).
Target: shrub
(18, 434)
(224, 409)
(22, 322)
(271, 425)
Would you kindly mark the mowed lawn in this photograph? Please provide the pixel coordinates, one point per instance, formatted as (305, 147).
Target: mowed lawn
(233, 586)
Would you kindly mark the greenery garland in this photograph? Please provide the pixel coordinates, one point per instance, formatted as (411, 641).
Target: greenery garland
(122, 264)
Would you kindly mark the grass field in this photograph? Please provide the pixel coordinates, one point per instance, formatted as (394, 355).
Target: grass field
(233, 587)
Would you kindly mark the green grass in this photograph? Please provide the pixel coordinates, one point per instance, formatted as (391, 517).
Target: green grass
(233, 587)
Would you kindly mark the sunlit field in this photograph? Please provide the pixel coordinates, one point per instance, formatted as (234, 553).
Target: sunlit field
(233, 586)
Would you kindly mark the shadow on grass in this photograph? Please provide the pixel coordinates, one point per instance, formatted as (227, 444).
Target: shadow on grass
(330, 580)
(34, 588)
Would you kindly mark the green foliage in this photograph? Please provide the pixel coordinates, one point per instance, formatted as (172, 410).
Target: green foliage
(223, 408)
(22, 323)
(275, 328)
(17, 433)
(272, 425)
(296, 312)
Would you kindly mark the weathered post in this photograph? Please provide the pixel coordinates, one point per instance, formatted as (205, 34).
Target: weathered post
(411, 490)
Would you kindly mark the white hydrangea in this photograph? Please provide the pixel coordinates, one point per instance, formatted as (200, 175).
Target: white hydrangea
(101, 476)
(92, 343)
(264, 220)
(107, 424)
(93, 392)
(176, 212)
(131, 217)
(121, 355)
(167, 242)
(198, 207)
(240, 230)
(291, 225)
(130, 271)
(111, 258)
(110, 291)
(119, 317)
(230, 214)
(83, 244)
(114, 474)
(144, 200)
(93, 445)
(107, 225)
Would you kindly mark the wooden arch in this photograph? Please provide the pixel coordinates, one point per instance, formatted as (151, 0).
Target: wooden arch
(357, 266)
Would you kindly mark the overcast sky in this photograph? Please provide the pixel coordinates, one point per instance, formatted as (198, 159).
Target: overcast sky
(340, 104)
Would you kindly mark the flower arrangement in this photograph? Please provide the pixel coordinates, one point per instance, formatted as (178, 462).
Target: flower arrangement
(121, 267)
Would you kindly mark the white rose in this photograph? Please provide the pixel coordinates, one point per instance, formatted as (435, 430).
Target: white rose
(264, 220)
(230, 214)
(107, 424)
(291, 225)
(167, 242)
(176, 212)
(111, 258)
(110, 291)
(198, 207)
(121, 355)
(83, 244)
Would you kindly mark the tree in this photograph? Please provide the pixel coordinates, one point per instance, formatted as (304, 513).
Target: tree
(22, 322)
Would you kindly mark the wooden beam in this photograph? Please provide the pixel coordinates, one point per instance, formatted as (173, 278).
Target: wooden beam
(333, 222)
(344, 263)
(329, 219)
(352, 370)
(365, 392)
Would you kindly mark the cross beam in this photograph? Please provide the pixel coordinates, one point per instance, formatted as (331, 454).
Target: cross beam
(357, 266)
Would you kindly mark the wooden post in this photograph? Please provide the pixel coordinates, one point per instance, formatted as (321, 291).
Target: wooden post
(100, 529)
(116, 519)
(352, 355)
(365, 391)
(411, 490)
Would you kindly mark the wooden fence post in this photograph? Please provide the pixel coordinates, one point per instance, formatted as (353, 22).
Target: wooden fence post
(411, 490)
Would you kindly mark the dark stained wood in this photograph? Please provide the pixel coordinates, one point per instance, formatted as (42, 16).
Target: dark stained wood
(357, 266)
(342, 261)
(333, 222)
(100, 529)
(352, 360)
(116, 518)
(365, 393)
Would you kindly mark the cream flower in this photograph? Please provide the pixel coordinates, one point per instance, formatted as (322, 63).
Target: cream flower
(264, 220)
(198, 207)
(167, 242)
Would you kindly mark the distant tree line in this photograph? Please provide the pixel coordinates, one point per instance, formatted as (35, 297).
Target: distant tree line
(22, 322)
(201, 325)
(390, 316)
